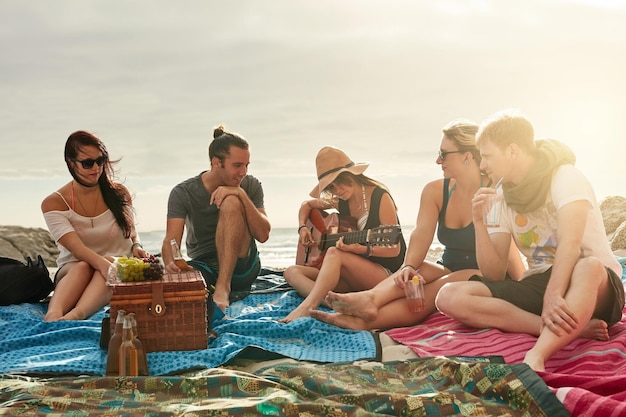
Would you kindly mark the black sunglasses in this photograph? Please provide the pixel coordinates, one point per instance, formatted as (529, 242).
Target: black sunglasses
(88, 163)
(443, 154)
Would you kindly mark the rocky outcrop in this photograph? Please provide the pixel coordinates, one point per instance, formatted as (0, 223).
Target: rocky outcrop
(614, 215)
(19, 242)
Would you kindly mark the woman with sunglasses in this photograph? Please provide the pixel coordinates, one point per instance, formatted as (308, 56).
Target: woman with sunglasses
(91, 219)
(445, 208)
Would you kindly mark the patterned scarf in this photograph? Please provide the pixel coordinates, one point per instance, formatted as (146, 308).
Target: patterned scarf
(532, 192)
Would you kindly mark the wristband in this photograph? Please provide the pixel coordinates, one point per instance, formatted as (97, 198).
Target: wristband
(408, 265)
(368, 250)
(132, 247)
(300, 228)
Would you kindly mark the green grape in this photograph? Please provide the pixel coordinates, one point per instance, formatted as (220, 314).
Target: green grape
(130, 269)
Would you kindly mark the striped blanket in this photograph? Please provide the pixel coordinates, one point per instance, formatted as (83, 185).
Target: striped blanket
(588, 376)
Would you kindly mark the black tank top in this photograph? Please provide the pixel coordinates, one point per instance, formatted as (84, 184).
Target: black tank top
(373, 220)
(459, 244)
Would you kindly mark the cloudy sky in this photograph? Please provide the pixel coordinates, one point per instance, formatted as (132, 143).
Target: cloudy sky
(376, 78)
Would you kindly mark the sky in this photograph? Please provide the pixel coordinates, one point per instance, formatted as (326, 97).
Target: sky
(378, 79)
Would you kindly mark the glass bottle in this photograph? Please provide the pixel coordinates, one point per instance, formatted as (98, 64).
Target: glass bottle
(179, 261)
(142, 368)
(114, 345)
(128, 358)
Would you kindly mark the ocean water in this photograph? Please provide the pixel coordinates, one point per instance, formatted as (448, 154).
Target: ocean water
(278, 252)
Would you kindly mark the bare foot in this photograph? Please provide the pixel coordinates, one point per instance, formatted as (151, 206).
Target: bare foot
(74, 314)
(345, 321)
(51, 316)
(595, 329)
(220, 299)
(298, 312)
(536, 363)
(360, 305)
(70, 316)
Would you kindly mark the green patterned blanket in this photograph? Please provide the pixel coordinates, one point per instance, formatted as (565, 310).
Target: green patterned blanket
(418, 387)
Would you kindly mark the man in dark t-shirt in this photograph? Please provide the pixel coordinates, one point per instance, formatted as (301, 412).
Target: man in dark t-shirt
(223, 211)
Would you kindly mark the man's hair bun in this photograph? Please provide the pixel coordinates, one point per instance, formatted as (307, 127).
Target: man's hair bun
(218, 131)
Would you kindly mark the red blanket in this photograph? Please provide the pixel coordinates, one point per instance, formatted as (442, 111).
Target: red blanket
(588, 376)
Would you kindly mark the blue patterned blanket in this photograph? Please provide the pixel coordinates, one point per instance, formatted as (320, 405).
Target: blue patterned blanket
(32, 346)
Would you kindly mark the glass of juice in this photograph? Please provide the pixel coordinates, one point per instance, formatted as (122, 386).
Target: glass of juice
(414, 291)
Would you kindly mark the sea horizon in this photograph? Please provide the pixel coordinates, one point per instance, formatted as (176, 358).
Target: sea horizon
(278, 252)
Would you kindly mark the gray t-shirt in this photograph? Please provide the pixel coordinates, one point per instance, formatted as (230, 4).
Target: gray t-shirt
(189, 200)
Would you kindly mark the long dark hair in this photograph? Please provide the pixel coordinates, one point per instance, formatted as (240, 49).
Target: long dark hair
(115, 199)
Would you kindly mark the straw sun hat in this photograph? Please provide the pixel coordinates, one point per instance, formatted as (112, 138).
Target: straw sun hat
(330, 162)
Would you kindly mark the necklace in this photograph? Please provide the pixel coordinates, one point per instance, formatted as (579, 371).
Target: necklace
(364, 199)
(95, 206)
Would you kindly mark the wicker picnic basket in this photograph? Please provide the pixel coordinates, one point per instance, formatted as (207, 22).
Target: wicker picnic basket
(171, 313)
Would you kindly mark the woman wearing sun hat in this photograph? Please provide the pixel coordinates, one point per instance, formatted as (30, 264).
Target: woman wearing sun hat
(345, 267)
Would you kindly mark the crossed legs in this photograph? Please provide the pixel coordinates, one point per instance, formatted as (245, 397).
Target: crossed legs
(384, 306)
(473, 304)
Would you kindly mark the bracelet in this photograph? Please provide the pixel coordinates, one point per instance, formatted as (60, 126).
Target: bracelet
(300, 228)
(368, 251)
(414, 269)
(132, 247)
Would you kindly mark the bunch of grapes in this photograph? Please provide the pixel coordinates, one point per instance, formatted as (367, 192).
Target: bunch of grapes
(155, 268)
(131, 269)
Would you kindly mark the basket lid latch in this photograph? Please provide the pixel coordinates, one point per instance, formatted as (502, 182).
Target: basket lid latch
(158, 300)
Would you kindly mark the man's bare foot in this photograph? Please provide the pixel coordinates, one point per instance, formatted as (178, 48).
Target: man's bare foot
(298, 312)
(596, 329)
(535, 362)
(360, 305)
(345, 321)
(220, 298)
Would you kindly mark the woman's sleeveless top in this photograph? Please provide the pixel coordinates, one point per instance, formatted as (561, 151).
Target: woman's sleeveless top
(373, 220)
(459, 244)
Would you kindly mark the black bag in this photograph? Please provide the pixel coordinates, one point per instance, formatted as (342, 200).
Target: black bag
(24, 283)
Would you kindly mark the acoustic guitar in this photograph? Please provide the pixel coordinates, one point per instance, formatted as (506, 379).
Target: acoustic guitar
(327, 228)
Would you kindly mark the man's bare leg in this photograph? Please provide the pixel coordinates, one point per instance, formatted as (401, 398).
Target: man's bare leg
(471, 303)
(589, 287)
(233, 241)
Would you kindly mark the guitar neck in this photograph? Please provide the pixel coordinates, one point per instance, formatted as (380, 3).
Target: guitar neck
(349, 238)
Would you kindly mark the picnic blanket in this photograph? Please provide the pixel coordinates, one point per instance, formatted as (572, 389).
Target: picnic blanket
(589, 376)
(418, 387)
(32, 346)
